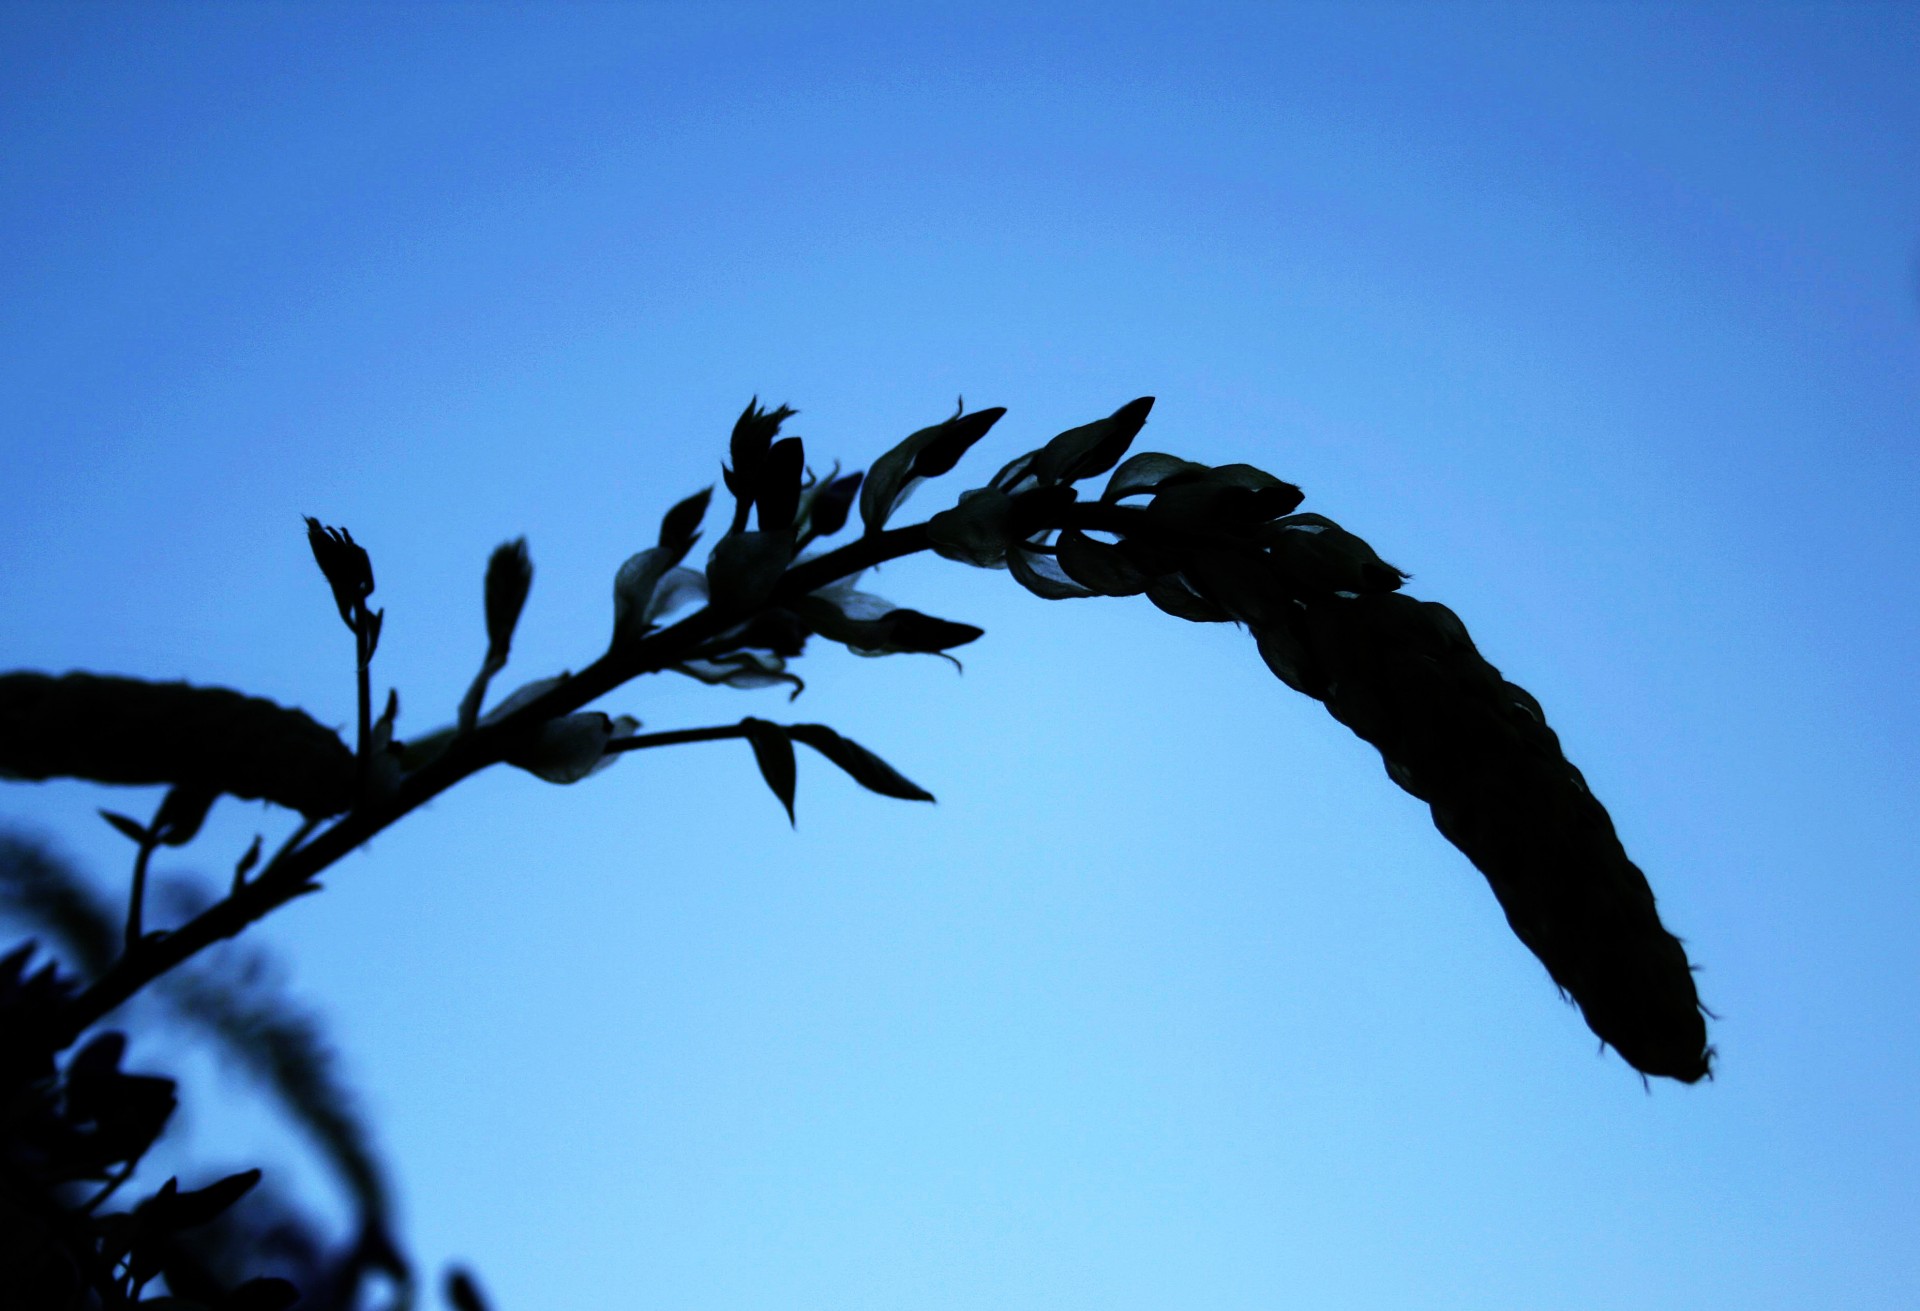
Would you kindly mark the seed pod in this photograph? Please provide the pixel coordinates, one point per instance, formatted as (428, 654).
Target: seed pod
(1473, 746)
(123, 730)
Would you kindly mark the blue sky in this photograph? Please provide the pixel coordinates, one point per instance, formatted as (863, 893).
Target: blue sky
(1602, 322)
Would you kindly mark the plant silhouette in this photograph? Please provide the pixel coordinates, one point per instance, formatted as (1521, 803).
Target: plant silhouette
(1206, 544)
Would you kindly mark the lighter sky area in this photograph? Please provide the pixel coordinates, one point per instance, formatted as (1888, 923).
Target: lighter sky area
(1604, 323)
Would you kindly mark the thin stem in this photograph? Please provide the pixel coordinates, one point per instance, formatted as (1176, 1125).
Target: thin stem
(677, 737)
(136, 903)
(477, 693)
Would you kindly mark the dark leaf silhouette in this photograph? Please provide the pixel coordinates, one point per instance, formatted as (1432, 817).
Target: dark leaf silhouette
(182, 813)
(745, 670)
(745, 567)
(865, 768)
(128, 827)
(773, 752)
(827, 512)
(1173, 595)
(922, 455)
(978, 530)
(777, 493)
(680, 528)
(463, 1293)
(1145, 472)
(1039, 574)
(1092, 448)
(1098, 566)
(172, 1209)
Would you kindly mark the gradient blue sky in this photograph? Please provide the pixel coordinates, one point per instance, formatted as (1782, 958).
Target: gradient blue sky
(1603, 322)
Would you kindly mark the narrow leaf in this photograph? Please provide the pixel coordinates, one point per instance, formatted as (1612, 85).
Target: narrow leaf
(865, 768)
(1173, 595)
(182, 813)
(463, 1293)
(977, 531)
(827, 511)
(921, 455)
(633, 587)
(954, 438)
(205, 1204)
(773, 752)
(1092, 448)
(128, 827)
(1042, 576)
(680, 528)
(1146, 471)
(745, 670)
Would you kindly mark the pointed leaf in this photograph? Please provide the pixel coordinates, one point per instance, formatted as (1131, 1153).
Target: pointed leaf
(1172, 595)
(744, 670)
(1042, 576)
(865, 768)
(953, 439)
(128, 826)
(525, 694)
(826, 513)
(977, 531)
(678, 587)
(1098, 566)
(891, 479)
(206, 1204)
(773, 752)
(1092, 448)
(633, 588)
(570, 748)
(745, 568)
(897, 630)
(1016, 474)
(1258, 480)
(182, 813)
(1146, 471)
(1288, 658)
(909, 630)
(680, 528)
(1321, 554)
